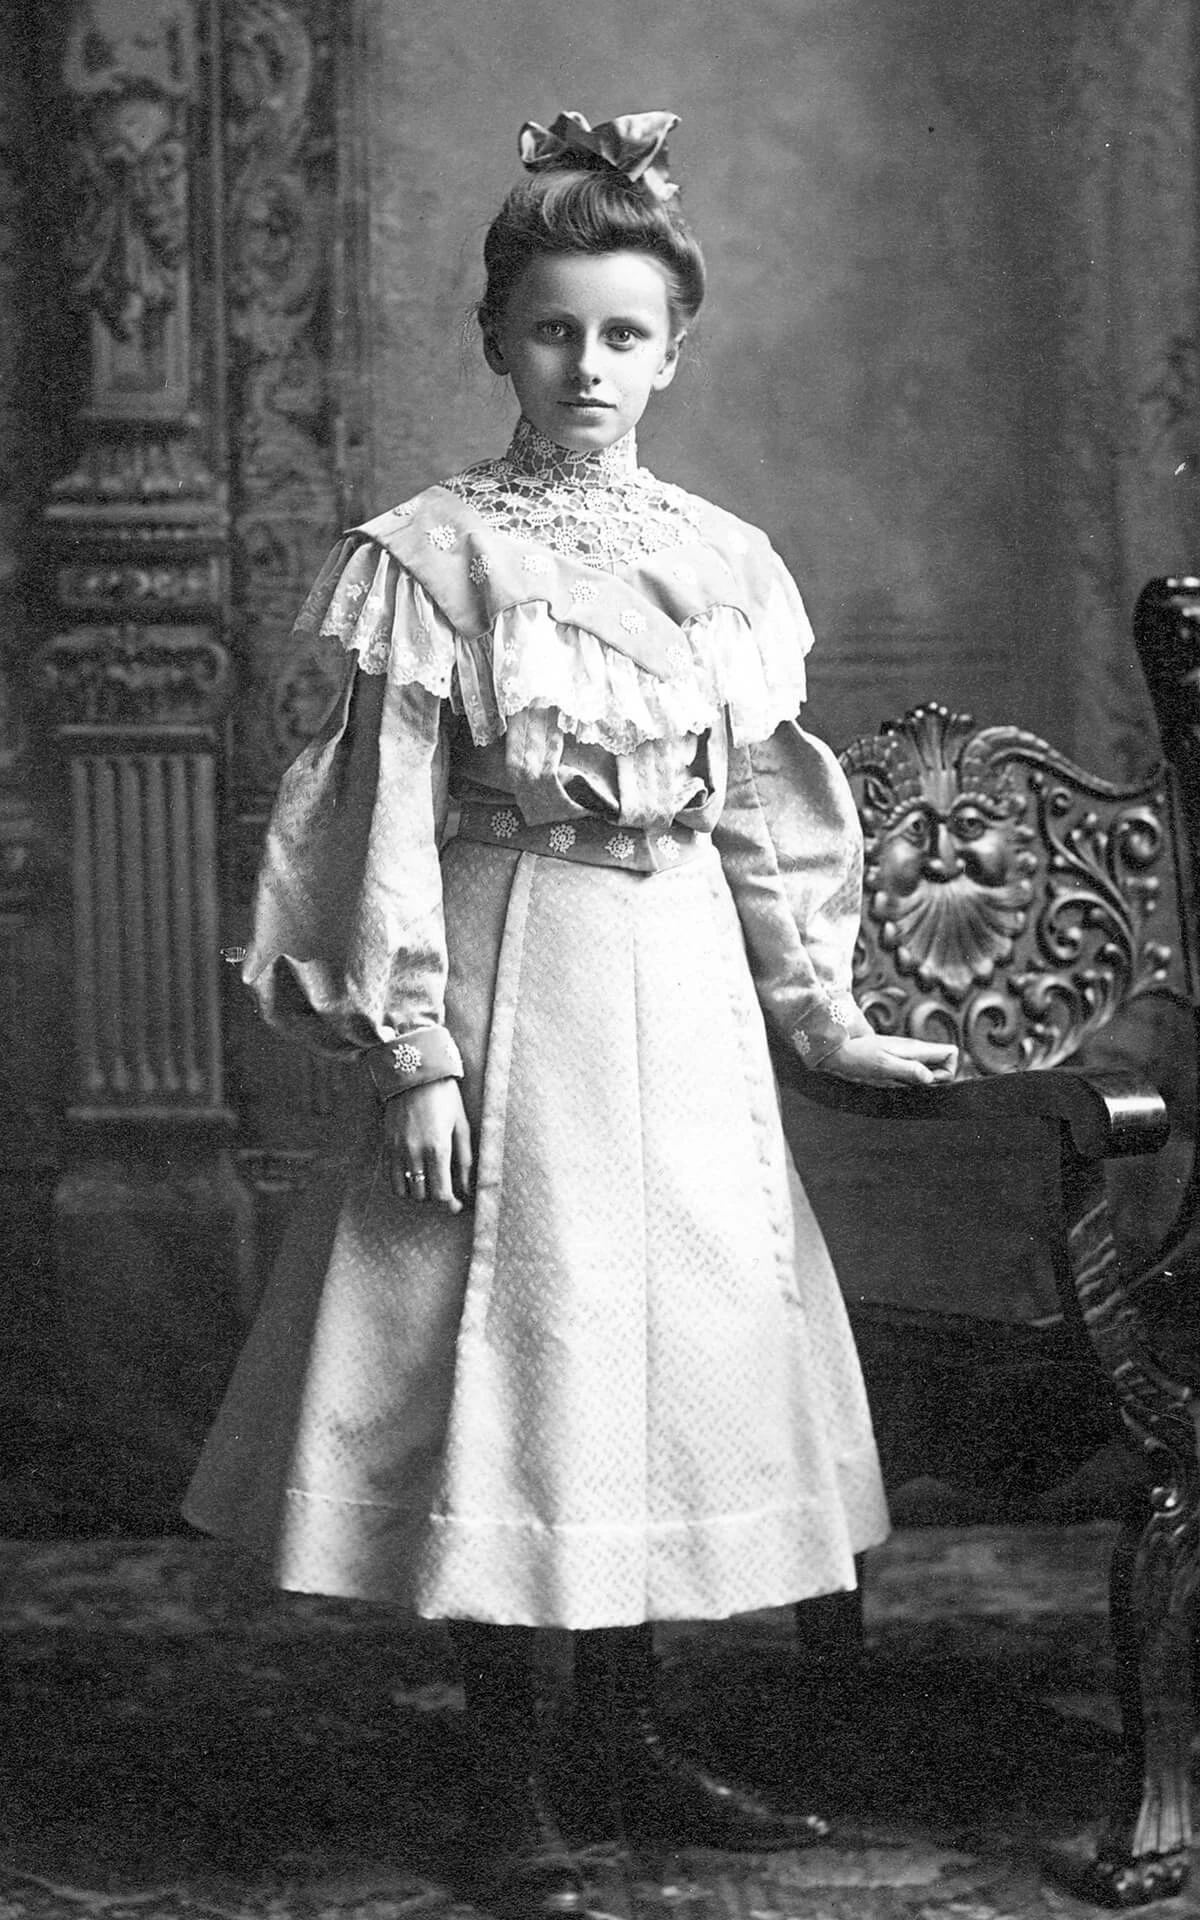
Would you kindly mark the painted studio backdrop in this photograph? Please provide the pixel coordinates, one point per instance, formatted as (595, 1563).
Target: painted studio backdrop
(949, 363)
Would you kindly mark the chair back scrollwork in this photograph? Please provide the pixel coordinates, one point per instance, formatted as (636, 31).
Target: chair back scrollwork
(1012, 902)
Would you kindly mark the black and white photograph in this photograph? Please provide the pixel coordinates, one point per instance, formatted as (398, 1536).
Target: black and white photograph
(599, 963)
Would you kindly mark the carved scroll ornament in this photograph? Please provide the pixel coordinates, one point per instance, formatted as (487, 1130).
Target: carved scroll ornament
(1008, 896)
(135, 676)
(278, 213)
(194, 583)
(282, 160)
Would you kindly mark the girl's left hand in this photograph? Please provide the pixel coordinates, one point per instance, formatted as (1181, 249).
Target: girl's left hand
(885, 1060)
(427, 1145)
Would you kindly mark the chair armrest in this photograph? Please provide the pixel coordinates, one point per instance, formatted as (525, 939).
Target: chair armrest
(1107, 1113)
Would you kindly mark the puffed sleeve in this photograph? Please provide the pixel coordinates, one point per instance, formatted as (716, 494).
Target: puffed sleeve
(348, 949)
(791, 848)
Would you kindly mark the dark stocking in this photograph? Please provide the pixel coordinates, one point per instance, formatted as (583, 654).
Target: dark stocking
(661, 1795)
(529, 1870)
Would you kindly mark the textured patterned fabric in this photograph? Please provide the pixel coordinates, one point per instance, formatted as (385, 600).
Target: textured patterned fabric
(621, 1385)
(348, 948)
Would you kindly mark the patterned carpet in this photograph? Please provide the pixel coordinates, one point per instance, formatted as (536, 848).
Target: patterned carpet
(182, 1743)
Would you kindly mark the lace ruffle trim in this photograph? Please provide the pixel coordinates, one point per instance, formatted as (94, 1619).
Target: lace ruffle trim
(382, 614)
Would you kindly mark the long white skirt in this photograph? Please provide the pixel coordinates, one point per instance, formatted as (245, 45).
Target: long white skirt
(622, 1386)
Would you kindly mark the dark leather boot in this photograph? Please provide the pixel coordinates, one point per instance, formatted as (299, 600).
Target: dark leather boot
(522, 1865)
(658, 1793)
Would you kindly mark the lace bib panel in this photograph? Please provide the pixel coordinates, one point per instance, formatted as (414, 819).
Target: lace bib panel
(600, 509)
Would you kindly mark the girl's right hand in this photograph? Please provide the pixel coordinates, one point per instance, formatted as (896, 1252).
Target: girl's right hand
(886, 1060)
(427, 1143)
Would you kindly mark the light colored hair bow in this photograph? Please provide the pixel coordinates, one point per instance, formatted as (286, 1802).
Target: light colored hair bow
(635, 145)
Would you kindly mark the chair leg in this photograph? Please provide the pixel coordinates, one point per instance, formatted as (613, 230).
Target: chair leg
(1143, 1852)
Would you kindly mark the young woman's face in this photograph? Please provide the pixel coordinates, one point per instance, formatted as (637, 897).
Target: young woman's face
(586, 339)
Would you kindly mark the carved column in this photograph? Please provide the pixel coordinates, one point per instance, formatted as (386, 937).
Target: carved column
(151, 1224)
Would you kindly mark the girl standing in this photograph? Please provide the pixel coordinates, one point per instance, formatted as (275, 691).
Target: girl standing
(556, 1342)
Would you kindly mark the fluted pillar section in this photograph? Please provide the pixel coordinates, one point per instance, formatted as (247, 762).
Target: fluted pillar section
(144, 831)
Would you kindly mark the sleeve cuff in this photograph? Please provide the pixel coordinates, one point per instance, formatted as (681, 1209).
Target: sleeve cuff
(412, 1059)
(822, 1030)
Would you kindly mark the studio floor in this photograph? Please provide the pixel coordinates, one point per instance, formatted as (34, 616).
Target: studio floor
(183, 1743)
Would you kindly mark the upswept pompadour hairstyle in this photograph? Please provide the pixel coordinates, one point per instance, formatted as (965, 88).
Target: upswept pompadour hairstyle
(580, 209)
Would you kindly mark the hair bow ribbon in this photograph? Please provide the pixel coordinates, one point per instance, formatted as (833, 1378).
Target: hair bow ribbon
(634, 145)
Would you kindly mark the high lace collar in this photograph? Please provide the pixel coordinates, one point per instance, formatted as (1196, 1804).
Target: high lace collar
(533, 454)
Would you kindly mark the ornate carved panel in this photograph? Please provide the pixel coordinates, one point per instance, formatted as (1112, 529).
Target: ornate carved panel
(146, 583)
(965, 831)
(291, 302)
(136, 676)
(295, 210)
(131, 74)
(138, 208)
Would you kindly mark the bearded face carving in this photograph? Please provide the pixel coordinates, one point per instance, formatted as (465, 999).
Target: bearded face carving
(949, 875)
(948, 892)
(1011, 901)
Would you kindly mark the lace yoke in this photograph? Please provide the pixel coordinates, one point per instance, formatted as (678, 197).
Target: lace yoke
(503, 625)
(600, 509)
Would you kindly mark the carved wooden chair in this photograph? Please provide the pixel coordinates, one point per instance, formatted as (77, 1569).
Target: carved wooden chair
(1044, 920)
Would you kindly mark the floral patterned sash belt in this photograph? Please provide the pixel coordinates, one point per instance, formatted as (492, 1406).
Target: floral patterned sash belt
(590, 841)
